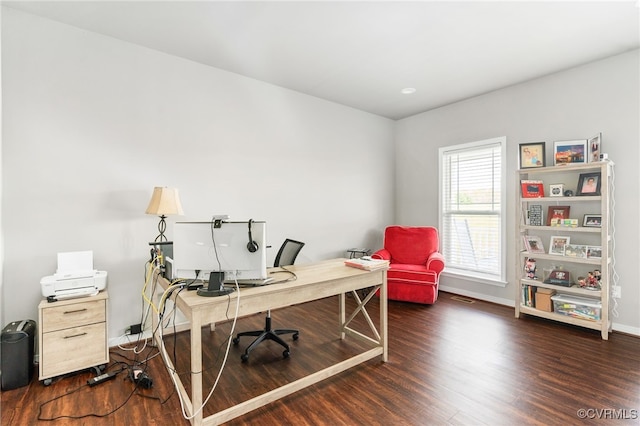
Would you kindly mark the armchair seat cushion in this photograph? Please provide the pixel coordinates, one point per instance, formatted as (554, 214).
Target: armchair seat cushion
(418, 274)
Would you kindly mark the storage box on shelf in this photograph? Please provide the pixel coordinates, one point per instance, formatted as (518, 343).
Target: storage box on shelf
(544, 298)
(578, 307)
(589, 254)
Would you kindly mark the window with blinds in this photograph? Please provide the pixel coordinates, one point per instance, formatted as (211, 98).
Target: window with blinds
(472, 208)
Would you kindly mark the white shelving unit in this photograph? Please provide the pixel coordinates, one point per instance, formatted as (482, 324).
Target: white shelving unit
(569, 176)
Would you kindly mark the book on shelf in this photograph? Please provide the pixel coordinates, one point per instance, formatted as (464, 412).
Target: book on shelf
(367, 263)
(529, 295)
(532, 188)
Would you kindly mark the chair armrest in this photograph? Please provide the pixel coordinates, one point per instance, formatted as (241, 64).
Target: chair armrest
(435, 262)
(381, 254)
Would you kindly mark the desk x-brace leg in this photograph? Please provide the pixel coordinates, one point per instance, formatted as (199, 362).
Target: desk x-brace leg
(360, 308)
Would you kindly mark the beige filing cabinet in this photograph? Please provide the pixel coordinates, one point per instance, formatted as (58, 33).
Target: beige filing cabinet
(72, 335)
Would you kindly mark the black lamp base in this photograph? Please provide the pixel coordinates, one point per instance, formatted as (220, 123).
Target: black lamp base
(162, 226)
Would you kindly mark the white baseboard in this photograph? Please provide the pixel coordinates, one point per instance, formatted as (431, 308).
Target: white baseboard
(479, 296)
(635, 331)
(507, 302)
(127, 340)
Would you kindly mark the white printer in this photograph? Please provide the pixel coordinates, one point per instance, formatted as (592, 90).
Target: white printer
(75, 277)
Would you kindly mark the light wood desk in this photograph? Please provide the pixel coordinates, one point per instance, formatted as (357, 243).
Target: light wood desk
(314, 281)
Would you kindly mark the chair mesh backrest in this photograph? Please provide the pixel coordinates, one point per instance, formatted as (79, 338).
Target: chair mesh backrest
(288, 252)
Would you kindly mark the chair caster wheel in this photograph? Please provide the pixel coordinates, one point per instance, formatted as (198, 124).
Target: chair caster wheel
(244, 357)
(285, 354)
(236, 340)
(295, 336)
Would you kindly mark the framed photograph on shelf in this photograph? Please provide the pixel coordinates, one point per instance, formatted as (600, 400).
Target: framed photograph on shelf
(570, 152)
(557, 214)
(594, 252)
(532, 155)
(594, 148)
(589, 184)
(557, 244)
(592, 220)
(532, 188)
(556, 190)
(575, 250)
(533, 244)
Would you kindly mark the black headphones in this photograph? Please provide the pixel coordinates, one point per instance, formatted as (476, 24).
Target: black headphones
(252, 246)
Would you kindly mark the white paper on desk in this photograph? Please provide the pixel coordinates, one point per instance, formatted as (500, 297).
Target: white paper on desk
(75, 264)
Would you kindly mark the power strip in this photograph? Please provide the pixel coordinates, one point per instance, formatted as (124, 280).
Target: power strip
(140, 378)
(102, 378)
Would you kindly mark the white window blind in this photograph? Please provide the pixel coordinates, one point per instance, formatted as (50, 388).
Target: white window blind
(472, 208)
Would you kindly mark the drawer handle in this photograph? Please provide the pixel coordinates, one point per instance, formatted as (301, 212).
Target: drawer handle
(74, 335)
(76, 311)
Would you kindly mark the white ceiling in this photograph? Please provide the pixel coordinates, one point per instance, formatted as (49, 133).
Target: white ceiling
(362, 54)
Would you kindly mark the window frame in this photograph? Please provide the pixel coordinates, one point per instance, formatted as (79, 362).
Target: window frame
(485, 278)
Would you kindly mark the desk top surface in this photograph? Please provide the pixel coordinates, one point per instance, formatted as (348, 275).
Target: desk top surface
(315, 278)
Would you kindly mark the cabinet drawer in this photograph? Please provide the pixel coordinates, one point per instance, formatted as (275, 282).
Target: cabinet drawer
(73, 315)
(73, 349)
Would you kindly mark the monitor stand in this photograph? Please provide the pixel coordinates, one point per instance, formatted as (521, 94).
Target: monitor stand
(215, 287)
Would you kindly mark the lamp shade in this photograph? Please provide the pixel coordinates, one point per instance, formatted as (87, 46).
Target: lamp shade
(164, 201)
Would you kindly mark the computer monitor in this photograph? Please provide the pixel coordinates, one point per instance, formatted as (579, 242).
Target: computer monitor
(237, 249)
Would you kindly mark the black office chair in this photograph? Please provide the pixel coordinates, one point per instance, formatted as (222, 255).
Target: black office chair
(286, 256)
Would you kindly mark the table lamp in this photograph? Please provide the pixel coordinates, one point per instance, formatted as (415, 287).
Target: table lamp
(164, 201)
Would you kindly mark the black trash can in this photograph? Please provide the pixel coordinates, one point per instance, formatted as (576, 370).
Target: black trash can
(17, 354)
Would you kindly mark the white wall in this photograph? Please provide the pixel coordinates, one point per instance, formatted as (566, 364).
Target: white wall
(2, 321)
(575, 104)
(92, 124)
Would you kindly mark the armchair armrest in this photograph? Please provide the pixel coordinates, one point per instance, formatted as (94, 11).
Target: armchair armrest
(435, 262)
(382, 254)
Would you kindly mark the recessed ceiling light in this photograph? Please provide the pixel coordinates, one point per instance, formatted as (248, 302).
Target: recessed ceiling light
(408, 90)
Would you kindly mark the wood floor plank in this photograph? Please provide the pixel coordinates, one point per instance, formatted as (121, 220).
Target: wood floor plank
(452, 363)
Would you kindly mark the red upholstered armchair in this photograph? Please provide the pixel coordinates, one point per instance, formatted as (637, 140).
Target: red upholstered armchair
(415, 263)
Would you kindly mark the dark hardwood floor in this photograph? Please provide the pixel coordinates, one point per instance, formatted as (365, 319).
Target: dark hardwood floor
(452, 363)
